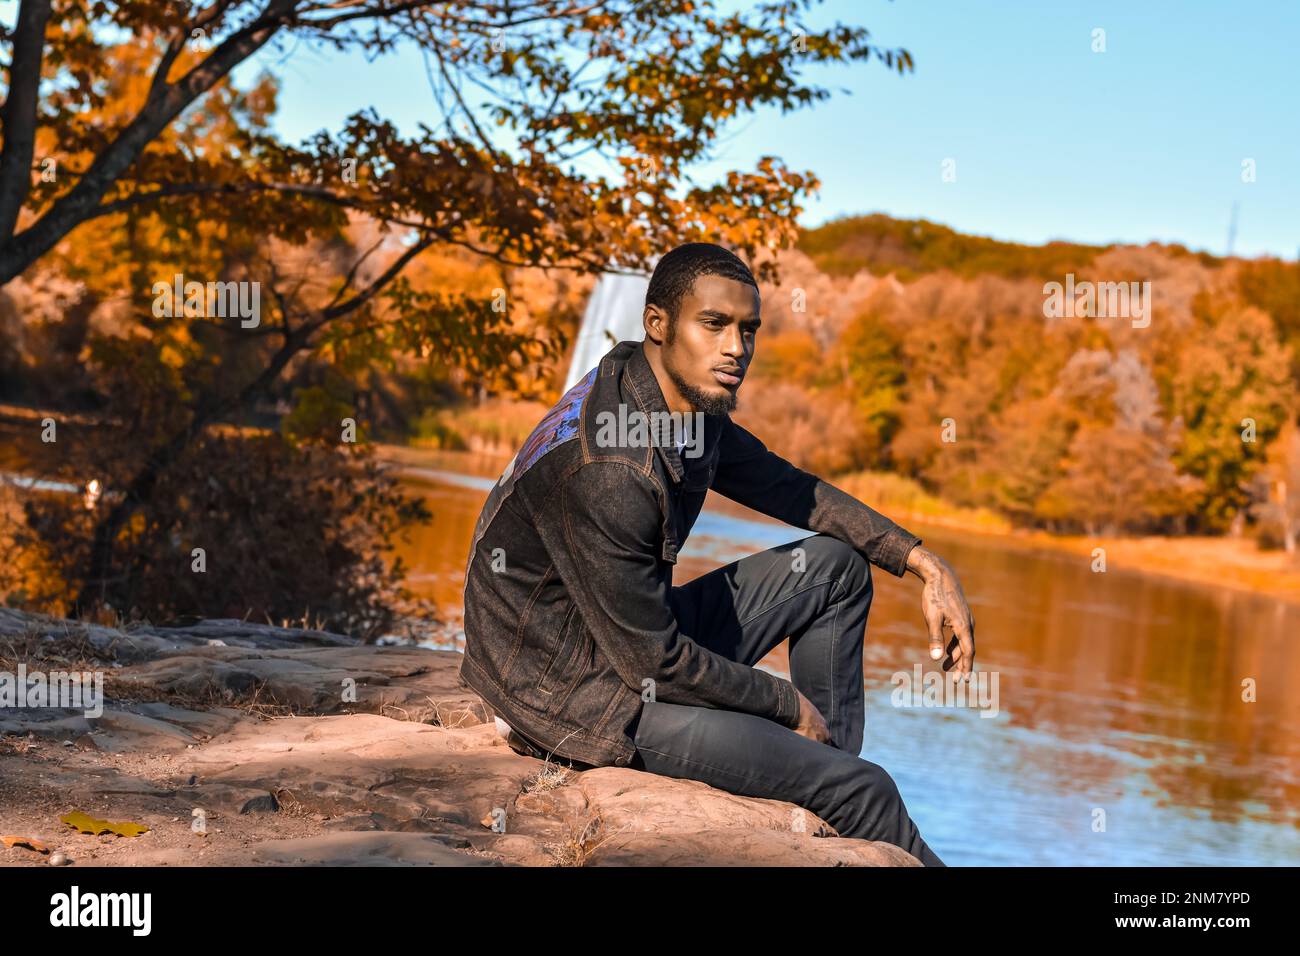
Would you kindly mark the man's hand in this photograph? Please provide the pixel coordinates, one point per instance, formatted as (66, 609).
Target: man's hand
(943, 603)
(811, 723)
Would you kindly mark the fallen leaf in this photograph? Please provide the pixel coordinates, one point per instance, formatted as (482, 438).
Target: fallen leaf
(88, 824)
(31, 844)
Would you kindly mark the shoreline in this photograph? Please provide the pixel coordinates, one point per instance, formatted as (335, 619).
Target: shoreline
(1206, 561)
(1234, 563)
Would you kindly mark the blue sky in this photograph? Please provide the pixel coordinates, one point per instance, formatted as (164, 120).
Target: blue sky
(1050, 140)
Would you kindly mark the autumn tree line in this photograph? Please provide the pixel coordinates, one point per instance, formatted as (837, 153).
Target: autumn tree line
(910, 348)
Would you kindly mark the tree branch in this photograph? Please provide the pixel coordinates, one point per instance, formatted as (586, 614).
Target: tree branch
(324, 195)
(169, 100)
(365, 295)
(165, 64)
(352, 272)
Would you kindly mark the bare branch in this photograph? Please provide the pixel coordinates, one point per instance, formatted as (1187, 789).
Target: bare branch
(442, 66)
(352, 272)
(370, 291)
(328, 23)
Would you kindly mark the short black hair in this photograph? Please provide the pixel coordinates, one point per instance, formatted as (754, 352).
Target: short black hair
(676, 272)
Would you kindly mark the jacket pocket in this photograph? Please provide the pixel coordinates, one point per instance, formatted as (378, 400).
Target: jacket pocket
(556, 669)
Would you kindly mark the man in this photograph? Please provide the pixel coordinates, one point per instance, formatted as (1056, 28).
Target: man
(576, 636)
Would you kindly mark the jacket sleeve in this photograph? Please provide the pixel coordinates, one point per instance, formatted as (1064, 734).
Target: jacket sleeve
(760, 479)
(602, 530)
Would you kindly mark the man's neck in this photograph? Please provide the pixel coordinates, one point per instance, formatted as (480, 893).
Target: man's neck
(673, 398)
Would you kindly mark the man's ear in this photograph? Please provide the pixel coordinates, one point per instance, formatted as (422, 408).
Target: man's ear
(656, 324)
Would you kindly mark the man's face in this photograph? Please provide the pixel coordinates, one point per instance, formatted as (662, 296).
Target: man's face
(708, 348)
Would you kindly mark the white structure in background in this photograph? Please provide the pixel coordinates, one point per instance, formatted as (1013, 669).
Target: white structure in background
(613, 314)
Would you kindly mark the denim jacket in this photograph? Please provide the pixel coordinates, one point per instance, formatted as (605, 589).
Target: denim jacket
(567, 621)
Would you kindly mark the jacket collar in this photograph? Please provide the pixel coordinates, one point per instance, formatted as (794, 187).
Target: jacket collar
(644, 386)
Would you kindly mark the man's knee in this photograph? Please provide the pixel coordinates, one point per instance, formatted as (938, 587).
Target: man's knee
(841, 559)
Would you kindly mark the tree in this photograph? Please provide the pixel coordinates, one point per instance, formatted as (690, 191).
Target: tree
(1117, 473)
(1279, 496)
(867, 357)
(1274, 286)
(1029, 441)
(1231, 389)
(1116, 478)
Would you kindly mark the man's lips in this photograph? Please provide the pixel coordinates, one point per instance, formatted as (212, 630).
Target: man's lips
(728, 377)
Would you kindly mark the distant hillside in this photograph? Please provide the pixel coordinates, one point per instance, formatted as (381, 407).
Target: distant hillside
(911, 248)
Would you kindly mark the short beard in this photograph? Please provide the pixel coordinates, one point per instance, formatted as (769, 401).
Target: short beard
(702, 401)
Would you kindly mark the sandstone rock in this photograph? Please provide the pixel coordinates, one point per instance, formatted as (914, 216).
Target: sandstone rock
(405, 774)
(366, 849)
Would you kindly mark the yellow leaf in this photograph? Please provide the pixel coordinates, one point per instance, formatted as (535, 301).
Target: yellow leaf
(88, 824)
(31, 844)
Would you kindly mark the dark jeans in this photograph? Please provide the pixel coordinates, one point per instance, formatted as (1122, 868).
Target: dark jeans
(743, 610)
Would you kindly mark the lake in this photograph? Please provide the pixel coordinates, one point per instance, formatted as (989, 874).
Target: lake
(1121, 736)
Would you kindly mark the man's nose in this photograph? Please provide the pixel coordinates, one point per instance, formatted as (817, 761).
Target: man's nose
(733, 343)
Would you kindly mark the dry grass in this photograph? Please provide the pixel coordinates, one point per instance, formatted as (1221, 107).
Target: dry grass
(550, 777)
(304, 623)
(496, 427)
(72, 648)
(74, 651)
(465, 718)
(291, 806)
(257, 701)
(582, 841)
(583, 838)
(904, 499)
(21, 747)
